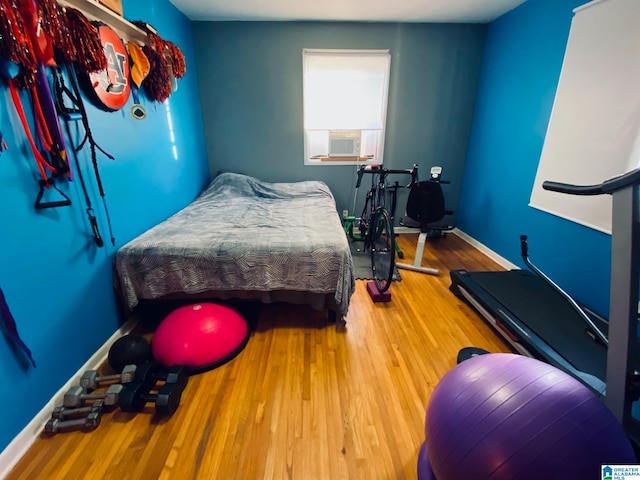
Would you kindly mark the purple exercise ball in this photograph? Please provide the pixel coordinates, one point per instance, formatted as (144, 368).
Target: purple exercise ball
(506, 416)
(424, 467)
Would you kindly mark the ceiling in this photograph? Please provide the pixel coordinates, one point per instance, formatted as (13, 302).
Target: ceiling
(439, 11)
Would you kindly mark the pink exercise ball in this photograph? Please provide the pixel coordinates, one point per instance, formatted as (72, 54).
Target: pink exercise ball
(200, 336)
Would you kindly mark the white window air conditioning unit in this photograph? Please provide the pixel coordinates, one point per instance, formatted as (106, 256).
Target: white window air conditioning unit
(344, 143)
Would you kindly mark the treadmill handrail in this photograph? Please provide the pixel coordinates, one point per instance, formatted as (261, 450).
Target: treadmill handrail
(524, 251)
(607, 187)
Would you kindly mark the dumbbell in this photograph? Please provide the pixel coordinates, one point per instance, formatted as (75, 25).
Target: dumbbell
(76, 395)
(137, 394)
(62, 413)
(152, 372)
(91, 378)
(90, 422)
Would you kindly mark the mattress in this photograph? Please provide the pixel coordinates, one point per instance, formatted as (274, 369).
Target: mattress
(241, 236)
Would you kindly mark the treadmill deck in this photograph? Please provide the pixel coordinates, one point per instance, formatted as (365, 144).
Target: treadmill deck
(534, 312)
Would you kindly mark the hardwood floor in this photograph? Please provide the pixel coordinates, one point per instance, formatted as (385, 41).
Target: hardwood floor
(302, 401)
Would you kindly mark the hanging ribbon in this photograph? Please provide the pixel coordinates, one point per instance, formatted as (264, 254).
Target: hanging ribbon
(11, 328)
(48, 119)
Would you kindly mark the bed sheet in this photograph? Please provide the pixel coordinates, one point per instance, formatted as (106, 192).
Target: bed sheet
(243, 234)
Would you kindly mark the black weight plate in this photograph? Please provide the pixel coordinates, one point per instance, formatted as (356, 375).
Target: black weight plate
(147, 374)
(178, 375)
(132, 396)
(168, 399)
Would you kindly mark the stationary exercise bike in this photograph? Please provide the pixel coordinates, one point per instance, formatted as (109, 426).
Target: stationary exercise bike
(426, 211)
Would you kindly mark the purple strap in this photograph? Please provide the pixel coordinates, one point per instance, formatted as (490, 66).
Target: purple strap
(51, 117)
(10, 325)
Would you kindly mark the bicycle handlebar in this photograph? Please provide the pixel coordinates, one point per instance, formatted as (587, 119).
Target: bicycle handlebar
(413, 171)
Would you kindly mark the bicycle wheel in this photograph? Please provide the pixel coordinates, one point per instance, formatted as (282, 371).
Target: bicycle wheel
(382, 249)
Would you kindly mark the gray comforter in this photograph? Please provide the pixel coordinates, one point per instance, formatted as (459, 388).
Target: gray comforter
(243, 234)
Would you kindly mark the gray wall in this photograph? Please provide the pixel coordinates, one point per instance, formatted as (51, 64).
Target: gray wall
(250, 76)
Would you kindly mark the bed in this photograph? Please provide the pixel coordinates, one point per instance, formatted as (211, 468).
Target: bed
(246, 239)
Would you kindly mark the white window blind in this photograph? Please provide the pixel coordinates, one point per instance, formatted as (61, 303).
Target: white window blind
(345, 90)
(594, 129)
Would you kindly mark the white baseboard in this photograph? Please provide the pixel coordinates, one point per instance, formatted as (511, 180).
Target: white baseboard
(503, 262)
(11, 455)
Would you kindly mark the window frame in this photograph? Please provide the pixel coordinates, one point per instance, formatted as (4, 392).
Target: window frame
(326, 160)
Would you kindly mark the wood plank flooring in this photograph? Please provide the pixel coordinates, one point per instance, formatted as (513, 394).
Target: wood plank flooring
(302, 401)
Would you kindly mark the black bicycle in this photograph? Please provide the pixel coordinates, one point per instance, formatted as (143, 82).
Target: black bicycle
(375, 223)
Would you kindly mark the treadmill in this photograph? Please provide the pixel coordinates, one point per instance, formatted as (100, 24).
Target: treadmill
(539, 320)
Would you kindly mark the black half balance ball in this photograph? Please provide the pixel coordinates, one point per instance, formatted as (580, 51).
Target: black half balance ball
(127, 350)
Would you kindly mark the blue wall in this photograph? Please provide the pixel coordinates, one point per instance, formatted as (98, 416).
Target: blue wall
(520, 71)
(250, 77)
(58, 284)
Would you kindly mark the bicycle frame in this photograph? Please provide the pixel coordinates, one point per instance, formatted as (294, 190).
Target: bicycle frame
(376, 195)
(376, 228)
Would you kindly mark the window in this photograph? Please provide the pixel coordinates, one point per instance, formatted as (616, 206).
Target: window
(345, 105)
